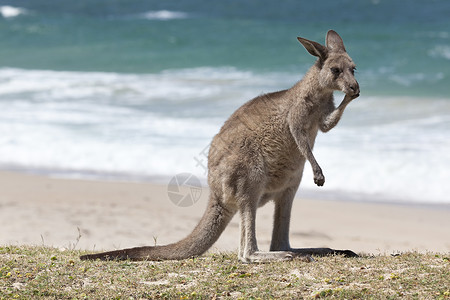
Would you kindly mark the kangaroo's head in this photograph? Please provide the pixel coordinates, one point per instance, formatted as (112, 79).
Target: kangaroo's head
(336, 67)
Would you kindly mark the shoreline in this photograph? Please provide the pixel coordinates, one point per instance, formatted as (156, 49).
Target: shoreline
(313, 194)
(38, 210)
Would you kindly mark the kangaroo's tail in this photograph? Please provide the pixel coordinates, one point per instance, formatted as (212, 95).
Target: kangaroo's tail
(204, 235)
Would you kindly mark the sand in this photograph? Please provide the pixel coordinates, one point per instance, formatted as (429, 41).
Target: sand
(38, 210)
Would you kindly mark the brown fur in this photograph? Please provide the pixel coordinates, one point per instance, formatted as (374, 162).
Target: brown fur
(259, 155)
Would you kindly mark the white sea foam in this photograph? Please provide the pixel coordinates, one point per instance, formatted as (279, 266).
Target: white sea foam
(440, 51)
(118, 123)
(7, 11)
(162, 124)
(399, 152)
(164, 15)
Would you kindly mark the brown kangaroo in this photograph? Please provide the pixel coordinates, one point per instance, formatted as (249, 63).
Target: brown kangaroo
(259, 155)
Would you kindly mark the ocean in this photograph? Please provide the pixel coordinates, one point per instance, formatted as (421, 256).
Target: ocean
(135, 90)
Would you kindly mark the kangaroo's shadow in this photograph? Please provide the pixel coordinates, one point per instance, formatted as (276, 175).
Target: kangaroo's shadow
(322, 252)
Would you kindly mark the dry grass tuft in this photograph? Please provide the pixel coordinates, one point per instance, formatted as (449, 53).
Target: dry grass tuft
(43, 272)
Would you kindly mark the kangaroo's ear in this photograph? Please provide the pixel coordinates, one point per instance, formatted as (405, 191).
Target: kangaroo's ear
(334, 41)
(314, 48)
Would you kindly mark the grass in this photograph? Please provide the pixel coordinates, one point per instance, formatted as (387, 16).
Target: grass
(28, 272)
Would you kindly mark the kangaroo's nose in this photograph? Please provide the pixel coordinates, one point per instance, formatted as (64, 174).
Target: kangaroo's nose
(355, 88)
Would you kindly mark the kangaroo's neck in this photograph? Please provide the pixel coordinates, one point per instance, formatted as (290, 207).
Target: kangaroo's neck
(310, 87)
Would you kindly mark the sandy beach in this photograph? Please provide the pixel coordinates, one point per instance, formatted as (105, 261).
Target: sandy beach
(38, 210)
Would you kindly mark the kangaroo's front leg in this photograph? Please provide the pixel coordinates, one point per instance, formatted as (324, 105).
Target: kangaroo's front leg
(302, 139)
(331, 119)
(303, 132)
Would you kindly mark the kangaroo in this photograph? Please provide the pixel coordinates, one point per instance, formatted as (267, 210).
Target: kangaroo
(259, 155)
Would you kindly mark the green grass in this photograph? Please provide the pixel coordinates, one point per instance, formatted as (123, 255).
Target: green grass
(43, 272)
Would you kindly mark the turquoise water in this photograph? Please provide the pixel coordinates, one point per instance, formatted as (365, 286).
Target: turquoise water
(138, 88)
(400, 47)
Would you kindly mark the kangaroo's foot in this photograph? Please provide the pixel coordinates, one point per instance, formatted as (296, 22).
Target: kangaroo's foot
(272, 256)
(322, 252)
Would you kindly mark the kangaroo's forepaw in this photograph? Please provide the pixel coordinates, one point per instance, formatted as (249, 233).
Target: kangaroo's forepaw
(319, 179)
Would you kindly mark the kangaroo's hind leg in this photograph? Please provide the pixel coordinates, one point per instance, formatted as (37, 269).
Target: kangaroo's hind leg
(248, 250)
(280, 235)
(282, 217)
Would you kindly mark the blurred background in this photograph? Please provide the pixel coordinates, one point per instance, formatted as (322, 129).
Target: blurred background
(136, 89)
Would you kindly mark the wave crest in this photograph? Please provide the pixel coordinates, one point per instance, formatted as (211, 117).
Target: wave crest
(164, 15)
(11, 11)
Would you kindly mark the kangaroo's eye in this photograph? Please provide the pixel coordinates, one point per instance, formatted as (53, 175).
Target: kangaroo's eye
(353, 70)
(335, 71)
